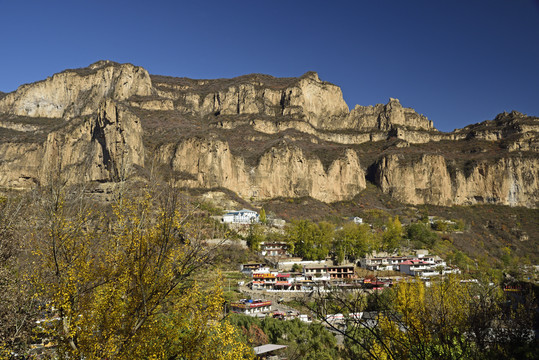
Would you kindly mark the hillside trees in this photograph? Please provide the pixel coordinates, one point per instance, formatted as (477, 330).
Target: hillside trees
(392, 236)
(255, 237)
(309, 240)
(122, 284)
(303, 341)
(447, 320)
(421, 235)
(352, 241)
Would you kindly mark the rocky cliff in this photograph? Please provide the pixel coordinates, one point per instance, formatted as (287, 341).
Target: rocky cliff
(77, 92)
(259, 136)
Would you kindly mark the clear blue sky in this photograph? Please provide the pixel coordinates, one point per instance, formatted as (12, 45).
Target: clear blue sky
(455, 61)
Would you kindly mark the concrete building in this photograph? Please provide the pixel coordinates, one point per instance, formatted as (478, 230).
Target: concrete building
(251, 307)
(241, 217)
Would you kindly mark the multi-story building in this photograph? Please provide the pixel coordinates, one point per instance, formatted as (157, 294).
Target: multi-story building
(422, 264)
(328, 272)
(274, 249)
(251, 307)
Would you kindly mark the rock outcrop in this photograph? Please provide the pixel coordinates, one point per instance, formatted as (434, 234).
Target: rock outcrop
(282, 171)
(259, 136)
(104, 147)
(307, 97)
(77, 92)
(431, 180)
(383, 117)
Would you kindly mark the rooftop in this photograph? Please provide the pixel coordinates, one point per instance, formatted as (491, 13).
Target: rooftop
(263, 349)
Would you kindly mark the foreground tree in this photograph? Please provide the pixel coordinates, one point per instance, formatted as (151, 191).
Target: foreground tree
(17, 306)
(448, 320)
(122, 285)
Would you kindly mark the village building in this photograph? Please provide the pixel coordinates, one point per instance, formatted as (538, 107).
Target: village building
(422, 264)
(357, 220)
(251, 267)
(423, 268)
(251, 307)
(329, 272)
(274, 249)
(268, 351)
(241, 217)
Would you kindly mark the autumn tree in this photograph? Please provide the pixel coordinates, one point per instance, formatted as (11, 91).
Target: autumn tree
(17, 305)
(447, 320)
(392, 235)
(309, 240)
(122, 284)
(352, 241)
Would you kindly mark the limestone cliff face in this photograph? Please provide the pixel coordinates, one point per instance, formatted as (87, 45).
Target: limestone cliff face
(431, 180)
(103, 147)
(116, 138)
(281, 171)
(308, 97)
(258, 136)
(74, 93)
(386, 117)
(20, 164)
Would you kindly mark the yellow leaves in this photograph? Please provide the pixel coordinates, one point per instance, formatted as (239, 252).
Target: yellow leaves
(5, 353)
(128, 292)
(425, 318)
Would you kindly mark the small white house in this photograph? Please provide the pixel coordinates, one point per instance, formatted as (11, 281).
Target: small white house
(241, 217)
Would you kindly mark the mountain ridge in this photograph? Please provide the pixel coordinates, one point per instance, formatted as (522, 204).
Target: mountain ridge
(259, 136)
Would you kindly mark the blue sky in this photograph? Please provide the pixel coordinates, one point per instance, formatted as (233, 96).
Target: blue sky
(456, 61)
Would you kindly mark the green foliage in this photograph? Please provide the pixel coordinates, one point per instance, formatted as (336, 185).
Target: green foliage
(275, 237)
(352, 241)
(256, 237)
(376, 217)
(392, 235)
(421, 235)
(210, 208)
(449, 225)
(263, 218)
(304, 341)
(309, 240)
(297, 268)
(459, 259)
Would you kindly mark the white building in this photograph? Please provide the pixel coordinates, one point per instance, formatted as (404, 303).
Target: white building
(251, 307)
(241, 217)
(422, 264)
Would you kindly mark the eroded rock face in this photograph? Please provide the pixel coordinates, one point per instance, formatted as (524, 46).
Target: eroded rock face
(429, 180)
(386, 117)
(258, 136)
(103, 147)
(73, 93)
(282, 171)
(307, 97)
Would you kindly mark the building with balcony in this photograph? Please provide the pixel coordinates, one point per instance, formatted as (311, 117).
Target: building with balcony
(251, 307)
